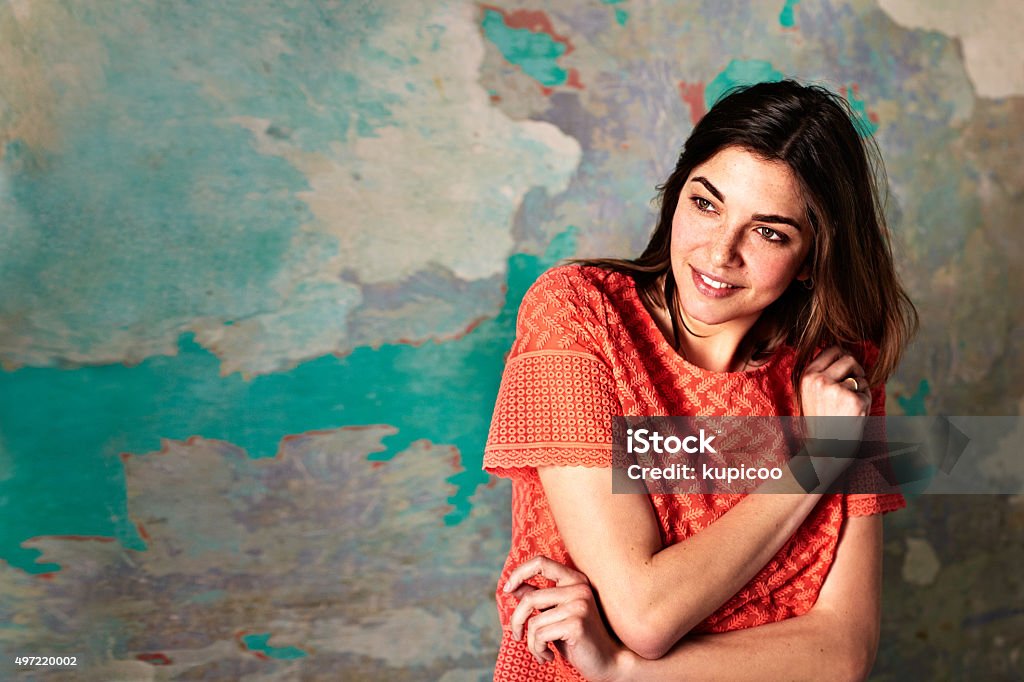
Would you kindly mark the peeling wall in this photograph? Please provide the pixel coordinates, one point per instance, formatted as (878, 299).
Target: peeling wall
(261, 263)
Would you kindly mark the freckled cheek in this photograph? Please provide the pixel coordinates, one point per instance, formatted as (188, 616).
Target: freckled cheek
(685, 239)
(776, 273)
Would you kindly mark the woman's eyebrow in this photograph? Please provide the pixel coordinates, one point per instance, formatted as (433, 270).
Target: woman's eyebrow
(763, 218)
(711, 188)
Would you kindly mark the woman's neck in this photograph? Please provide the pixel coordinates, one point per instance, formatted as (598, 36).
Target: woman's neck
(716, 348)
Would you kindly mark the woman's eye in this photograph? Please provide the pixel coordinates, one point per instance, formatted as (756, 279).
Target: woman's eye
(702, 204)
(771, 235)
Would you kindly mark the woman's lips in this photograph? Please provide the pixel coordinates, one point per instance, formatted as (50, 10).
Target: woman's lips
(710, 290)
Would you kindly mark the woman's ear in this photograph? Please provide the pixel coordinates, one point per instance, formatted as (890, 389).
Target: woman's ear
(804, 276)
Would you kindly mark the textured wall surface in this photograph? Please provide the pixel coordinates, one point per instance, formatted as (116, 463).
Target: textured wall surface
(260, 264)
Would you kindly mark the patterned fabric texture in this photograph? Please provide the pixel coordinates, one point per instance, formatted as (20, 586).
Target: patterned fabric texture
(586, 350)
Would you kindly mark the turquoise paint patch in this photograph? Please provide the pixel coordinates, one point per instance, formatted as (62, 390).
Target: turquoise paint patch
(914, 406)
(740, 72)
(63, 429)
(621, 15)
(534, 53)
(861, 121)
(563, 245)
(260, 643)
(787, 16)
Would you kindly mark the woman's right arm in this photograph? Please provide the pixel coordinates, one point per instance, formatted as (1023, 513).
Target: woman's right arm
(837, 639)
(653, 595)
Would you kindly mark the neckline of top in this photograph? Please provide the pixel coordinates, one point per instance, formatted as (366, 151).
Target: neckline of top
(665, 348)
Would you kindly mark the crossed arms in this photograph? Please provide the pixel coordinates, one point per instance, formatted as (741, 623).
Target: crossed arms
(652, 596)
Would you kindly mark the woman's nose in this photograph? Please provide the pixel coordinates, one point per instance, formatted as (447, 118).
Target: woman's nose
(725, 250)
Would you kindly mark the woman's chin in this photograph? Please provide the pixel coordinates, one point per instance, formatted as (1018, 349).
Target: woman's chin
(700, 316)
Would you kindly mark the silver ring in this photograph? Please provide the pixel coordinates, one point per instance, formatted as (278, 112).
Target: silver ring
(856, 384)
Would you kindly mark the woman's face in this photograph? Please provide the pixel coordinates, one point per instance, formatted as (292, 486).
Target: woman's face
(739, 238)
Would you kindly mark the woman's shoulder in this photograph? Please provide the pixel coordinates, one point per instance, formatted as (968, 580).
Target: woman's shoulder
(570, 305)
(585, 290)
(579, 279)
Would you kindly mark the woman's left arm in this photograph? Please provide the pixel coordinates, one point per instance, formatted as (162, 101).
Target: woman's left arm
(837, 639)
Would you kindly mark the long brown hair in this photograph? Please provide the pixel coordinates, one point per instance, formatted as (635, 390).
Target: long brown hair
(856, 296)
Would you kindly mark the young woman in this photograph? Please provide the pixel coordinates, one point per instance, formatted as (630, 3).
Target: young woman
(768, 288)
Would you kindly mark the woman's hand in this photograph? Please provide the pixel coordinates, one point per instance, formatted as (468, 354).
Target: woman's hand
(569, 617)
(826, 389)
(836, 400)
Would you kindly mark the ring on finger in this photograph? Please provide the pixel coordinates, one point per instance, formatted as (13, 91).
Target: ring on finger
(854, 386)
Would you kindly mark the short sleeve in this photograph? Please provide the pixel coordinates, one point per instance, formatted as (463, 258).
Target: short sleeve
(558, 395)
(866, 477)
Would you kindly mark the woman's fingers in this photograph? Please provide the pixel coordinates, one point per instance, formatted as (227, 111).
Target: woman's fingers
(836, 364)
(567, 617)
(569, 584)
(572, 610)
(565, 629)
(543, 566)
(825, 390)
(831, 372)
(824, 359)
(842, 367)
(522, 590)
(541, 600)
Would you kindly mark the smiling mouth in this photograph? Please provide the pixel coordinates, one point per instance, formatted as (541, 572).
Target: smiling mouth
(714, 283)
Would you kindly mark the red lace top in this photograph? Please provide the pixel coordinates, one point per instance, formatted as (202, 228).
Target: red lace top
(586, 349)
